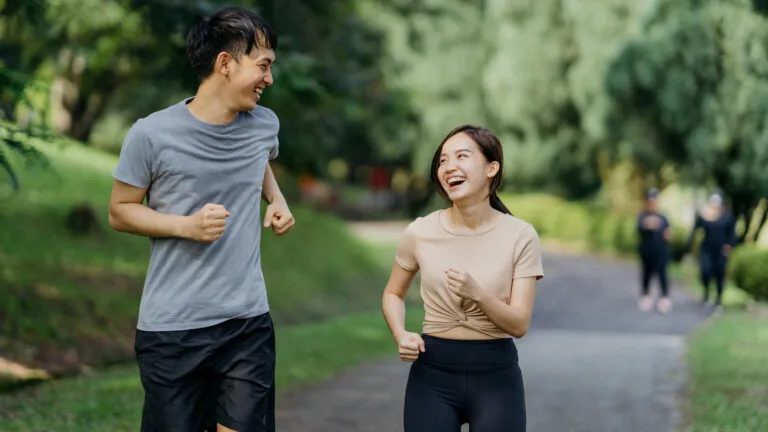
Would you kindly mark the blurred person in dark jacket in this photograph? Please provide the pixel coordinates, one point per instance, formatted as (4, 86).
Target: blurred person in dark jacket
(719, 238)
(654, 231)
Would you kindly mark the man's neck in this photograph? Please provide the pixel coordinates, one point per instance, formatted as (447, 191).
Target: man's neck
(209, 107)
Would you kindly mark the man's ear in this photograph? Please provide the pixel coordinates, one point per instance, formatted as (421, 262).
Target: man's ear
(223, 63)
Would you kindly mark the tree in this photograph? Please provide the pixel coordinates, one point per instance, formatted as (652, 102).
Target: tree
(15, 139)
(692, 89)
(529, 71)
(330, 94)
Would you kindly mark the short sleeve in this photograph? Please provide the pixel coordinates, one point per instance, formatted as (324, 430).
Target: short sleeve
(406, 256)
(274, 151)
(134, 165)
(274, 124)
(528, 256)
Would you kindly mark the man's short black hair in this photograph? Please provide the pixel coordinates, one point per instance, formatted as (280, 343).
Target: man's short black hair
(234, 30)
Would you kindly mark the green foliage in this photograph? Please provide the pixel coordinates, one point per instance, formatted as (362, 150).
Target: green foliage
(760, 6)
(14, 138)
(587, 226)
(691, 89)
(532, 72)
(111, 60)
(748, 268)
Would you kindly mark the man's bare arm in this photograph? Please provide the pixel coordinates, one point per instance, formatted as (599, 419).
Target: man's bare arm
(270, 190)
(128, 214)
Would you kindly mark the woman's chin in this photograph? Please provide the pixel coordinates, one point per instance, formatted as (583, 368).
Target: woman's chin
(460, 197)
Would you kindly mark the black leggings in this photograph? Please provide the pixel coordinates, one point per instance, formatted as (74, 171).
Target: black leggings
(657, 266)
(712, 266)
(465, 381)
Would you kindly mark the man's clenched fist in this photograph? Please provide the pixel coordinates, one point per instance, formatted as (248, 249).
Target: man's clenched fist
(279, 217)
(207, 224)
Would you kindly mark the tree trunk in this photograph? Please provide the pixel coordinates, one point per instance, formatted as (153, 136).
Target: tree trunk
(745, 207)
(84, 115)
(77, 109)
(761, 223)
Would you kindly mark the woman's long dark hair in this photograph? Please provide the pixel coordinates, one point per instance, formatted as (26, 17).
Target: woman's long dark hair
(493, 152)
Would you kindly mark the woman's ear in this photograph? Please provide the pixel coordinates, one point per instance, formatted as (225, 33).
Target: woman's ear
(493, 169)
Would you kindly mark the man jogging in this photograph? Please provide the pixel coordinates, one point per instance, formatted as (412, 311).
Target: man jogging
(205, 342)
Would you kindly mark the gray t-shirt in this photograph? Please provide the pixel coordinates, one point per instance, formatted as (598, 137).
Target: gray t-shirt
(186, 163)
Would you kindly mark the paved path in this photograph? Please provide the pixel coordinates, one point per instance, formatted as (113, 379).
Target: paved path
(591, 361)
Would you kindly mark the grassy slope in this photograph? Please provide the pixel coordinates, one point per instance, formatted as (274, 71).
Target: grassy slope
(729, 380)
(68, 300)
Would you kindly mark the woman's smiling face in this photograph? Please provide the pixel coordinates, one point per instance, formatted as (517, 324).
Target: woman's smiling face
(463, 170)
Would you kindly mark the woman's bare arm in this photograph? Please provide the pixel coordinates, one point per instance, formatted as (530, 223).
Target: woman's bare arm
(393, 300)
(513, 318)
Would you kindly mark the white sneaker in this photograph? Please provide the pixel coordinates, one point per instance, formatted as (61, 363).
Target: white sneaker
(645, 303)
(664, 305)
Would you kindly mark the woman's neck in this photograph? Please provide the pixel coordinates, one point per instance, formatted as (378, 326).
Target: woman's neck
(473, 216)
(711, 213)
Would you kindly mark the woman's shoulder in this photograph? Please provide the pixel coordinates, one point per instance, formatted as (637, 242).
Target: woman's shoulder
(423, 223)
(518, 225)
(431, 217)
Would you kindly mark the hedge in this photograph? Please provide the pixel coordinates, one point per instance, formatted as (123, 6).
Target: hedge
(748, 269)
(585, 225)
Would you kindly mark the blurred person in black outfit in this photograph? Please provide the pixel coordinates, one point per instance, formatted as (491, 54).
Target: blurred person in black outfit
(654, 231)
(719, 238)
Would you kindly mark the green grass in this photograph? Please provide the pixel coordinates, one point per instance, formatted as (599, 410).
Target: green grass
(68, 299)
(112, 399)
(729, 378)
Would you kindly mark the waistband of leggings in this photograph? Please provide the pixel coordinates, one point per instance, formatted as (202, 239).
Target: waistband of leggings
(469, 353)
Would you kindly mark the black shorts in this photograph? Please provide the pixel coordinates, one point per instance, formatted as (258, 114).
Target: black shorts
(194, 379)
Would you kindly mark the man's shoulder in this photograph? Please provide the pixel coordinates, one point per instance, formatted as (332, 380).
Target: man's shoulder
(262, 115)
(160, 119)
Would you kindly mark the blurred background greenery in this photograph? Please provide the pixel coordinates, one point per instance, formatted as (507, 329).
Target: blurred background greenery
(595, 101)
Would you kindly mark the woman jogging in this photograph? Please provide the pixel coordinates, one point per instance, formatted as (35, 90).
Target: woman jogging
(479, 266)
(719, 238)
(654, 231)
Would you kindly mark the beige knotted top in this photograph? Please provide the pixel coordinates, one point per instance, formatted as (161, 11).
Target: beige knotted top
(507, 250)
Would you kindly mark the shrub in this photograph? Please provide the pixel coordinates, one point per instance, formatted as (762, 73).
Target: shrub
(748, 269)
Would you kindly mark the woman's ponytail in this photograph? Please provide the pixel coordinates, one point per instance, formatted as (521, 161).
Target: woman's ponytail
(497, 204)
